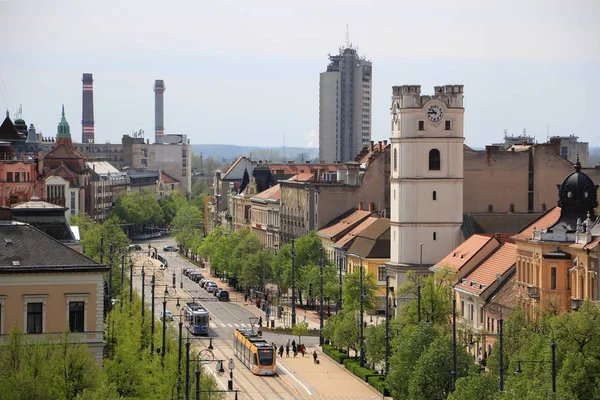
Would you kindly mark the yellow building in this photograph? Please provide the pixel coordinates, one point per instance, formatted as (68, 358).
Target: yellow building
(371, 249)
(557, 255)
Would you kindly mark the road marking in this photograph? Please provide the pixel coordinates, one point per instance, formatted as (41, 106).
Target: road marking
(288, 373)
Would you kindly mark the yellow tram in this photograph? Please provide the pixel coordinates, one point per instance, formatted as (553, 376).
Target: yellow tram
(254, 352)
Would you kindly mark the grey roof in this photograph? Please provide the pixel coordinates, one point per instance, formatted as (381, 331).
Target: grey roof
(35, 203)
(25, 249)
(143, 174)
(496, 223)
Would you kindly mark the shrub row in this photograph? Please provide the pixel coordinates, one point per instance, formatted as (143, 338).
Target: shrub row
(352, 364)
(337, 355)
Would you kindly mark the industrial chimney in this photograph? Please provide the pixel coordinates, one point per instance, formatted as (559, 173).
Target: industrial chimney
(159, 110)
(87, 114)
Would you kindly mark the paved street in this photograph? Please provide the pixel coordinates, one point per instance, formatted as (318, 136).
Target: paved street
(297, 378)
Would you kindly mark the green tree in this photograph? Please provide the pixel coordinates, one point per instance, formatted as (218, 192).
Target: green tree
(375, 343)
(300, 329)
(140, 208)
(351, 291)
(45, 368)
(432, 376)
(407, 347)
(170, 206)
(480, 386)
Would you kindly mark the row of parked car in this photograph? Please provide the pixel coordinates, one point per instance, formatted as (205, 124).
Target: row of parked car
(207, 284)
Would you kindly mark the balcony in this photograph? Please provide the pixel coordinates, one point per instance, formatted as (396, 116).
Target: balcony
(533, 292)
(576, 304)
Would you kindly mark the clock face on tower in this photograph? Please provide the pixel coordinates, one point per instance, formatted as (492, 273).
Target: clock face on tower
(435, 113)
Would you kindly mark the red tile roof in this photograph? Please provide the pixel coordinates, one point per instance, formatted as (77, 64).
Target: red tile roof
(484, 274)
(354, 232)
(348, 222)
(273, 193)
(302, 177)
(463, 253)
(545, 221)
(167, 178)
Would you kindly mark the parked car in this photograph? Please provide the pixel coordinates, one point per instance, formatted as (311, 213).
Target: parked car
(223, 295)
(216, 292)
(211, 287)
(170, 247)
(202, 281)
(135, 247)
(206, 283)
(168, 315)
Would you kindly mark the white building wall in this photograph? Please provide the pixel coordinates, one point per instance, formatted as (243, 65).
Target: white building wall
(328, 116)
(415, 216)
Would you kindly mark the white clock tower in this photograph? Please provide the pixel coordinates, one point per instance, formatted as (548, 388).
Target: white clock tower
(426, 177)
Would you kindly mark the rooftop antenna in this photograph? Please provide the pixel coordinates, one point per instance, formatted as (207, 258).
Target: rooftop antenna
(19, 112)
(347, 36)
(284, 159)
(547, 133)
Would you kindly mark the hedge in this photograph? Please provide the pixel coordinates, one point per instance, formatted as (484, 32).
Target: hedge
(352, 364)
(332, 352)
(380, 385)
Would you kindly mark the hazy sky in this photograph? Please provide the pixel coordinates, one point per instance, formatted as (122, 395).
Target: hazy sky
(245, 72)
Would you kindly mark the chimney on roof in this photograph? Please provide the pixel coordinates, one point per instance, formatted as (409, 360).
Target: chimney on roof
(371, 207)
(360, 205)
(372, 144)
(308, 162)
(385, 142)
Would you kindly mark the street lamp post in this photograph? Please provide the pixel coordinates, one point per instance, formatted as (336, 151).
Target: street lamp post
(110, 259)
(164, 325)
(293, 285)
(497, 309)
(152, 315)
(122, 278)
(449, 290)
(362, 325)
(187, 369)
(341, 263)
(419, 284)
(321, 262)
(387, 323)
(130, 281)
(553, 362)
(231, 367)
(143, 292)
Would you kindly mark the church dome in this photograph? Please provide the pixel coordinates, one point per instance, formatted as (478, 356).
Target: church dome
(20, 126)
(578, 191)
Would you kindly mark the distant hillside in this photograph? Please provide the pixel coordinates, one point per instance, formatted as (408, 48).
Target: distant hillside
(227, 152)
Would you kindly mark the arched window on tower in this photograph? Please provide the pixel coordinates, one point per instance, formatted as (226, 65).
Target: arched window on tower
(434, 160)
(395, 159)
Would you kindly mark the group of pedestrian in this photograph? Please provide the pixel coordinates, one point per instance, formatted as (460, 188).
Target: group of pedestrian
(296, 348)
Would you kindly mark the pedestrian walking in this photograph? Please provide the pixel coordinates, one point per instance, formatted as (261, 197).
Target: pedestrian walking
(287, 344)
(287, 351)
(294, 349)
(303, 349)
(293, 343)
(281, 351)
(315, 360)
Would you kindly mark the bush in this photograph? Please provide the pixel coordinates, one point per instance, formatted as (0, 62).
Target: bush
(380, 385)
(350, 363)
(288, 331)
(332, 352)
